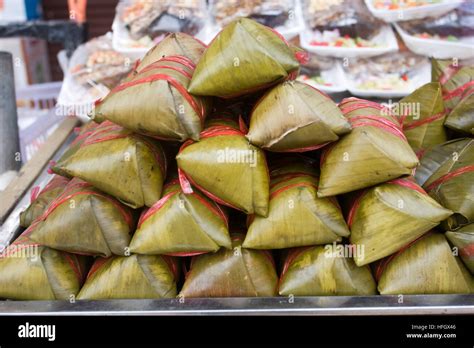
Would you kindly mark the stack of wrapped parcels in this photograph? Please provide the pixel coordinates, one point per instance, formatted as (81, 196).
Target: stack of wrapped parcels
(191, 181)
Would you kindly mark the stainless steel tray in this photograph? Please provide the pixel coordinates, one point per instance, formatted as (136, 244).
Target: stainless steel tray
(317, 305)
(330, 305)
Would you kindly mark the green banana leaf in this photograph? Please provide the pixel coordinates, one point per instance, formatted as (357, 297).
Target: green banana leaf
(238, 272)
(40, 202)
(84, 220)
(451, 76)
(463, 239)
(156, 102)
(131, 277)
(458, 88)
(295, 117)
(175, 44)
(325, 271)
(447, 172)
(461, 117)
(244, 57)
(181, 224)
(296, 216)
(388, 216)
(426, 128)
(84, 133)
(374, 151)
(425, 267)
(29, 271)
(128, 166)
(225, 167)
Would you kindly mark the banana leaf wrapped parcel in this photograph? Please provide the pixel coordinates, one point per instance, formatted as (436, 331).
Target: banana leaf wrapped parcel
(238, 272)
(446, 172)
(84, 132)
(424, 128)
(463, 239)
(388, 216)
(41, 199)
(425, 266)
(131, 277)
(181, 224)
(128, 166)
(295, 117)
(174, 114)
(243, 58)
(84, 220)
(29, 271)
(174, 44)
(296, 215)
(457, 81)
(325, 271)
(375, 151)
(226, 168)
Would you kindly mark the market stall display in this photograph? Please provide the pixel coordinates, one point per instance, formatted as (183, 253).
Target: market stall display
(193, 164)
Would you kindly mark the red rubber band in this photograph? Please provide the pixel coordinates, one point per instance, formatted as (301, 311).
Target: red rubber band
(430, 119)
(449, 176)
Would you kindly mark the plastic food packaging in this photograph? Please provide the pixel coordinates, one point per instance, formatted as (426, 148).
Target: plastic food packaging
(386, 76)
(139, 24)
(94, 69)
(343, 28)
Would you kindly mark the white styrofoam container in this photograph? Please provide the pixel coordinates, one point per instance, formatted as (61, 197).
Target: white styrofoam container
(417, 12)
(385, 38)
(421, 77)
(439, 49)
(335, 74)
